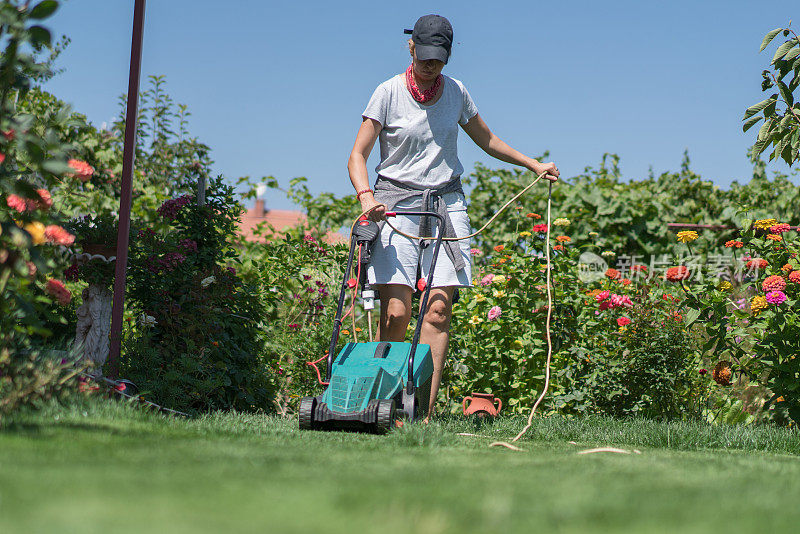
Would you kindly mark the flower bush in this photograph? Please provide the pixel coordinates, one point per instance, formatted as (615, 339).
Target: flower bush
(33, 159)
(759, 334)
(619, 344)
(300, 280)
(199, 344)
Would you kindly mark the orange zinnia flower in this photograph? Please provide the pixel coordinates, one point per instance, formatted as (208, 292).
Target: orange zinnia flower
(499, 248)
(563, 239)
(675, 274)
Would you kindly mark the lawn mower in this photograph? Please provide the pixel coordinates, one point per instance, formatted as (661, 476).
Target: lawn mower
(372, 385)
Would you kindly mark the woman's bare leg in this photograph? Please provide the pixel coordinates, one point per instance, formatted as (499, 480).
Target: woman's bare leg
(395, 312)
(436, 333)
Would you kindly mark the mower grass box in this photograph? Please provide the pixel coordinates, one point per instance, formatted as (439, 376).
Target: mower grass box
(366, 388)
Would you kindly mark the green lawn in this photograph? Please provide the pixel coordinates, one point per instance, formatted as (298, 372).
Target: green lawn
(107, 467)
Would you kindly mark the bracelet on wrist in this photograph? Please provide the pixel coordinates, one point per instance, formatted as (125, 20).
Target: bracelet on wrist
(358, 195)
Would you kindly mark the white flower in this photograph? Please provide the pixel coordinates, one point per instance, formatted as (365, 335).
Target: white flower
(147, 320)
(207, 281)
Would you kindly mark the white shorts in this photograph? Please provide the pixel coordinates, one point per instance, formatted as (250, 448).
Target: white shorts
(395, 257)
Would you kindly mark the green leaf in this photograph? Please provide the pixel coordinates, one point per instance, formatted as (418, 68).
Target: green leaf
(782, 49)
(768, 38)
(750, 122)
(785, 93)
(752, 110)
(55, 167)
(765, 128)
(691, 316)
(39, 36)
(44, 9)
(792, 54)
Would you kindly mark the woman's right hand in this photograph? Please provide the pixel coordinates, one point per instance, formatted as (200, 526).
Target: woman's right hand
(368, 202)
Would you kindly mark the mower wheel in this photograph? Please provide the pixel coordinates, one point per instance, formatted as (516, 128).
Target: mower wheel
(387, 414)
(307, 406)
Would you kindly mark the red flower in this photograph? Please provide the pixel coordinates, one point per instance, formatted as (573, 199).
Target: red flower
(642, 268)
(702, 372)
(20, 204)
(626, 282)
(9, 134)
(16, 202)
(756, 263)
(612, 273)
(558, 247)
(622, 321)
(82, 170)
(773, 283)
(734, 244)
(794, 276)
(2, 158)
(57, 289)
(539, 228)
(59, 236)
(675, 274)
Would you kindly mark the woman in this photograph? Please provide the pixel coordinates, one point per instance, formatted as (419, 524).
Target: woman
(416, 116)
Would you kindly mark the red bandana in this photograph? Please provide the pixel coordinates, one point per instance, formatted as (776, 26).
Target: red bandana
(421, 96)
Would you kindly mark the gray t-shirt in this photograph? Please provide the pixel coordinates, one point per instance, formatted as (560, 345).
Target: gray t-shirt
(418, 142)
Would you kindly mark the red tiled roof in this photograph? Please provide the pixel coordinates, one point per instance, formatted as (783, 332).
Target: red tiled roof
(279, 219)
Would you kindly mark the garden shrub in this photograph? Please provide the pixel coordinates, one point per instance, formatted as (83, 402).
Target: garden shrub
(197, 344)
(649, 366)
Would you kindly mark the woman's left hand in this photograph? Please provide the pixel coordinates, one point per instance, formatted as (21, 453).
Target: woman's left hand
(549, 168)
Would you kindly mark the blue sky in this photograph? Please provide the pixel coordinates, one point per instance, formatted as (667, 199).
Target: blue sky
(278, 88)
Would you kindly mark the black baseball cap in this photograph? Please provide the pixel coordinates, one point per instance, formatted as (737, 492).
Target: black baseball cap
(433, 37)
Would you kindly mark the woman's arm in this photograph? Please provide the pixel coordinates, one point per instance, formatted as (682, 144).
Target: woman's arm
(357, 164)
(495, 147)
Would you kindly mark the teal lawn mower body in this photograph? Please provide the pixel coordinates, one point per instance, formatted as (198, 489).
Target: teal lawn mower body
(371, 385)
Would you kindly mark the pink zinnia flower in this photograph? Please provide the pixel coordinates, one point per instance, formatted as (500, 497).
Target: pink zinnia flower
(773, 283)
(82, 170)
(475, 251)
(622, 321)
(780, 228)
(55, 234)
(494, 313)
(16, 202)
(776, 297)
(603, 295)
(620, 301)
(486, 280)
(57, 289)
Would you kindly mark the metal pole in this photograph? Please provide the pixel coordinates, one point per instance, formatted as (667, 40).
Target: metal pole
(201, 190)
(125, 195)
